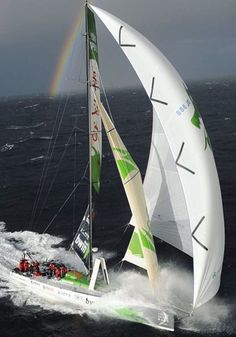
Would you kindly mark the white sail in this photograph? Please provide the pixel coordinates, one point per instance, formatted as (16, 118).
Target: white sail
(164, 194)
(191, 152)
(142, 239)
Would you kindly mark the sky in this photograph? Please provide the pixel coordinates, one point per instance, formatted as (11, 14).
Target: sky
(197, 36)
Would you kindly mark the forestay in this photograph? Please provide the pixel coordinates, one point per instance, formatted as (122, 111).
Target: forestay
(181, 185)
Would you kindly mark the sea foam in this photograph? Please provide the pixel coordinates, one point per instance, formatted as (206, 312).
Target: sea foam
(128, 287)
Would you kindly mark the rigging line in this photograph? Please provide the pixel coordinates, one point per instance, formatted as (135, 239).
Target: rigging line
(64, 203)
(79, 49)
(54, 178)
(74, 183)
(77, 81)
(44, 167)
(50, 156)
(117, 243)
(121, 265)
(106, 99)
(122, 228)
(44, 175)
(67, 99)
(82, 63)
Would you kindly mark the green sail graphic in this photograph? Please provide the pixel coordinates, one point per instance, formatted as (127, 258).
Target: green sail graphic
(196, 117)
(141, 239)
(147, 240)
(125, 164)
(135, 245)
(96, 170)
(196, 121)
(207, 141)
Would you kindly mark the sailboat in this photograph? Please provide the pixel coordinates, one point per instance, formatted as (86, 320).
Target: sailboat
(179, 201)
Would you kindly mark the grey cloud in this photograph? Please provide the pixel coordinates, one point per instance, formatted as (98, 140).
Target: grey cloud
(199, 38)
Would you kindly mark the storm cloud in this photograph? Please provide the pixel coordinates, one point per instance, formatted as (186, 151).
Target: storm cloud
(198, 37)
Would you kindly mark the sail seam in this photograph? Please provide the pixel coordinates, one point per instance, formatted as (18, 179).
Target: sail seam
(131, 178)
(110, 130)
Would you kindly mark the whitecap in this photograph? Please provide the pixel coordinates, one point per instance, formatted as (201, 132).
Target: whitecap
(128, 287)
(7, 147)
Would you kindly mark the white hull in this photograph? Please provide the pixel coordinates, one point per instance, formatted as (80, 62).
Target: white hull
(55, 290)
(62, 292)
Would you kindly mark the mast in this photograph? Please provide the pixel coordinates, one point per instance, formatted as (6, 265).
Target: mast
(90, 192)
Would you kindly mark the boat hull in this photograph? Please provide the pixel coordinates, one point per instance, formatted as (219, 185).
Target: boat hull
(58, 291)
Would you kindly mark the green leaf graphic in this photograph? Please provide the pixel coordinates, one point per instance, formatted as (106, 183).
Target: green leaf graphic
(126, 164)
(135, 245)
(96, 170)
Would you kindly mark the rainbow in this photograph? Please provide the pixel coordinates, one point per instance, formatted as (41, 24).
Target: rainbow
(65, 55)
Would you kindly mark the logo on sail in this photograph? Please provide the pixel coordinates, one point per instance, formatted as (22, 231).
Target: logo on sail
(196, 121)
(81, 244)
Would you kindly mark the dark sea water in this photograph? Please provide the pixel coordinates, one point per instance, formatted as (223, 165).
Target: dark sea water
(26, 131)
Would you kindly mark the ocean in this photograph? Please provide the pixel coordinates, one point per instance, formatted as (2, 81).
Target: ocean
(27, 127)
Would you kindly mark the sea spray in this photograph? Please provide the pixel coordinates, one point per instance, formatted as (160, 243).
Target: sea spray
(127, 287)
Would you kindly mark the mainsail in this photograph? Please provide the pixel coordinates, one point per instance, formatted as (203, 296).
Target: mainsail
(94, 80)
(142, 239)
(80, 243)
(181, 166)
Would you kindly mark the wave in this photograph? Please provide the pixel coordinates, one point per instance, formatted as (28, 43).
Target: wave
(6, 147)
(129, 287)
(21, 127)
(39, 158)
(31, 106)
(23, 140)
(44, 137)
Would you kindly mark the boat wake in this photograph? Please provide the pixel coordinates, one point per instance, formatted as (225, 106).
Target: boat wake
(39, 158)
(129, 288)
(217, 316)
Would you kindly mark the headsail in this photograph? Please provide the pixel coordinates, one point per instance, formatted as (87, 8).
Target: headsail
(131, 179)
(94, 79)
(189, 153)
(80, 243)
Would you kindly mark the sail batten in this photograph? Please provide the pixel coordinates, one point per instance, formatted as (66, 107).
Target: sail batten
(194, 173)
